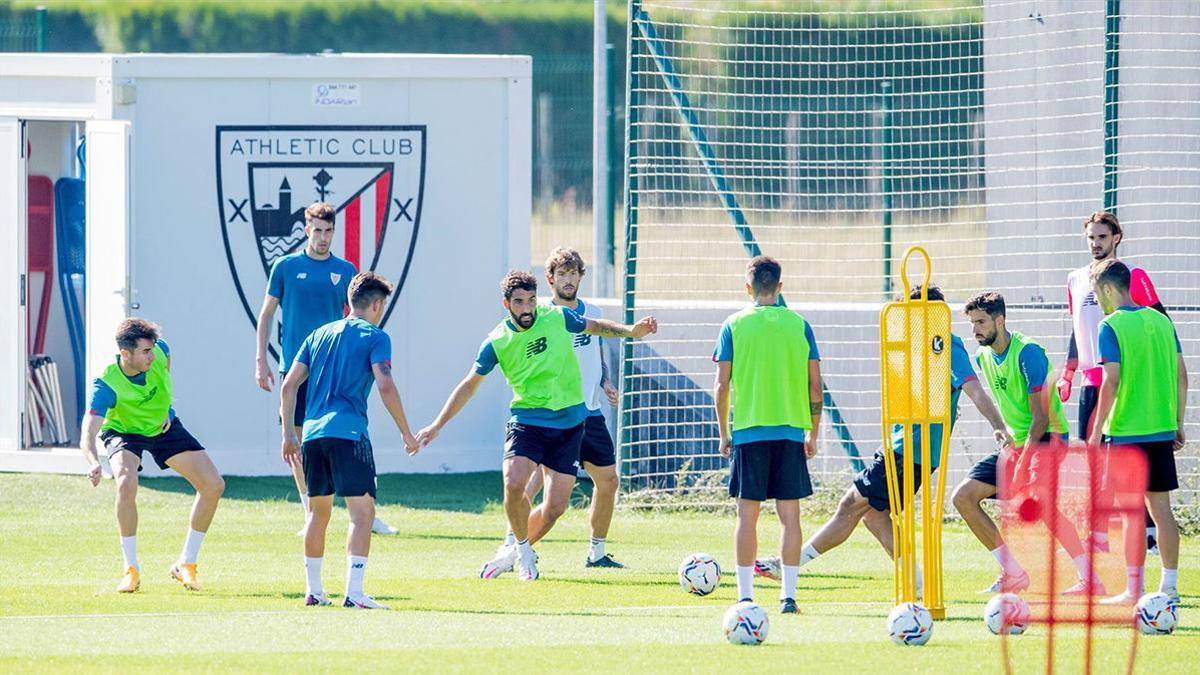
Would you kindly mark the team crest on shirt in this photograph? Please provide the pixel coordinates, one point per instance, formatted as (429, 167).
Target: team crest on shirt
(374, 176)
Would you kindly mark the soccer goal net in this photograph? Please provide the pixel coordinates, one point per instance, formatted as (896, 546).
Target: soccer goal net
(833, 134)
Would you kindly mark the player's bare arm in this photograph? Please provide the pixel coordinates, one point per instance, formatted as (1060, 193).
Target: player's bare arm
(1105, 401)
(457, 401)
(391, 400)
(612, 329)
(262, 368)
(1182, 388)
(986, 407)
(816, 401)
(721, 399)
(296, 376)
(87, 444)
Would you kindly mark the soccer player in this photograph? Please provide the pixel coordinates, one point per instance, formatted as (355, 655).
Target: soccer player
(1143, 397)
(311, 287)
(767, 359)
(341, 359)
(1103, 233)
(867, 499)
(1017, 371)
(564, 271)
(534, 347)
(130, 409)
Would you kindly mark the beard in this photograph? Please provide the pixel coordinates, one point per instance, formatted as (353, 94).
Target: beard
(1101, 254)
(522, 320)
(986, 340)
(567, 295)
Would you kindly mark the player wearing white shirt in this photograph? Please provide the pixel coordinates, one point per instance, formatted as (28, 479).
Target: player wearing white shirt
(564, 271)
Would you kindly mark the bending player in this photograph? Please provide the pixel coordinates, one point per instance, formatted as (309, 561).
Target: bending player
(310, 286)
(767, 359)
(534, 347)
(867, 499)
(341, 359)
(564, 271)
(1143, 397)
(1103, 233)
(1017, 371)
(130, 408)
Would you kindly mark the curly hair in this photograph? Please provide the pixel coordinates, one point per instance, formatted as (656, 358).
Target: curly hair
(133, 329)
(517, 280)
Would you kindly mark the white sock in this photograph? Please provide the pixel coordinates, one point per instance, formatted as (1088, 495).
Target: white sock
(1170, 579)
(596, 550)
(807, 554)
(1135, 584)
(304, 501)
(312, 568)
(1007, 562)
(356, 566)
(791, 578)
(509, 538)
(129, 550)
(191, 546)
(1082, 567)
(745, 582)
(524, 548)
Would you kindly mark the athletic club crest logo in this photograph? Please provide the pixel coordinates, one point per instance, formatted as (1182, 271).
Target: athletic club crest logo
(374, 176)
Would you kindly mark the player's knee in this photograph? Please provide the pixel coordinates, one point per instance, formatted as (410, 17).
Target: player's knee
(606, 483)
(213, 487)
(552, 511)
(964, 497)
(127, 484)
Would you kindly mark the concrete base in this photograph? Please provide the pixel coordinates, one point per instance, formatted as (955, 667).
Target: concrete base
(43, 460)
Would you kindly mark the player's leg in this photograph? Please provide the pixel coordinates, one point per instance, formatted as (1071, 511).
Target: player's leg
(555, 500)
(599, 459)
(318, 477)
(979, 485)
(791, 540)
(787, 483)
(750, 466)
(1159, 504)
(517, 470)
(198, 469)
(560, 462)
(353, 468)
(1061, 527)
(125, 465)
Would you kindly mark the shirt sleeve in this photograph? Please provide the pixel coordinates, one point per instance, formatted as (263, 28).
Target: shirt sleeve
(1035, 367)
(814, 354)
(275, 280)
(486, 360)
(575, 323)
(1178, 347)
(961, 370)
(724, 349)
(1141, 289)
(162, 344)
(381, 350)
(304, 354)
(1110, 349)
(101, 398)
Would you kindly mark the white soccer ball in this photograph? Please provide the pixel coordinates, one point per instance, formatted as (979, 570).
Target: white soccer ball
(1156, 614)
(745, 624)
(699, 573)
(910, 624)
(1006, 613)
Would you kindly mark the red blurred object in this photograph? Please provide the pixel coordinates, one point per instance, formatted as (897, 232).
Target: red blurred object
(40, 248)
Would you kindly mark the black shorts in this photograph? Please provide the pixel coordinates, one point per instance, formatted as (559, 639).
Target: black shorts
(985, 470)
(597, 446)
(339, 466)
(871, 482)
(555, 449)
(1088, 397)
(161, 447)
(301, 402)
(1160, 465)
(769, 470)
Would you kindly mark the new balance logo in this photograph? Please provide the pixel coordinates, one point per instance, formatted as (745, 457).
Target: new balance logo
(536, 347)
(582, 340)
(151, 394)
(1002, 383)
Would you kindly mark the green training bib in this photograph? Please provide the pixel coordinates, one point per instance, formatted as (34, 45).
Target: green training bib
(1147, 394)
(1011, 390)
(770, 368)
(141, 408)
(540, 362)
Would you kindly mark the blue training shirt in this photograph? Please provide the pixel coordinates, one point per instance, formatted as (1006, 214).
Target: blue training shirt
(566, 418)
(311, 293)
(782, 432)
(1110, 352)
(339, 356)
(102, 396)
(961, 372)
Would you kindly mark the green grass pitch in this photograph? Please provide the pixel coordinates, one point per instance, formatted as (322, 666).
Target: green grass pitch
(60, 562)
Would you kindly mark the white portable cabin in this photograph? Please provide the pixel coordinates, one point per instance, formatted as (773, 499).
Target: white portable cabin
(197, 171)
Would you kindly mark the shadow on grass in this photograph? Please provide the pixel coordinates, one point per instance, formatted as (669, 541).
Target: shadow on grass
(462, 492)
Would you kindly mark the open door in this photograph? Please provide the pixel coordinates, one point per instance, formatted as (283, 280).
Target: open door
(13, 280)
(107, 259)
(13, 296)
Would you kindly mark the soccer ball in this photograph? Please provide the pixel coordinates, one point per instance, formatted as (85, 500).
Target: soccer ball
(699, 573)
(745, 624)
(1006, 613)
(1156, 614)
(910, 624)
